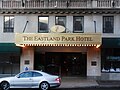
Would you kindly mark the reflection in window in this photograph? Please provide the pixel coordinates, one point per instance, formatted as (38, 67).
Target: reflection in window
(25, 74)
(43, 24)
(108, 24)
(9, 64)
(60, 20)
(36, 74)
(110, 60)
(9, 24)
(78, 24)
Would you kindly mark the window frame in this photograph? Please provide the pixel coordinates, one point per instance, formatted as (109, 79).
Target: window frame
(43, 31)
(60, 24)
(109, 60)
(7, 27)
(36, 74)
(82, 20)
(25, 73)
(111, 20)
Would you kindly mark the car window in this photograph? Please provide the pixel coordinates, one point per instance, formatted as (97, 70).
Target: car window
(25, 75)
(36, 74)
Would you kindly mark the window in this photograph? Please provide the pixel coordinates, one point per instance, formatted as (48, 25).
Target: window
(60, 20)
(9, 24)
(110, 60)
(9, 63)
(36, 74)
(78, 24)
(108, 24)
(25, 75)
(43, 24)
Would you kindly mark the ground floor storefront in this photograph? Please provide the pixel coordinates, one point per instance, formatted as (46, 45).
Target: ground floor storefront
(63, 61)
(110, 59)
(64, 54)
(9, 59)
(65, 58)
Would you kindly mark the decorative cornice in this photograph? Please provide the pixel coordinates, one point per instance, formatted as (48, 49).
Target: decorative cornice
(61, 11)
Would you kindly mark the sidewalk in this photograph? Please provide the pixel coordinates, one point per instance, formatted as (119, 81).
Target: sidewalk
(76, 82)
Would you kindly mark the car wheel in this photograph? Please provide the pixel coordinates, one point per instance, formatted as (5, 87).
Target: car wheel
(44, 86)
(5, 85)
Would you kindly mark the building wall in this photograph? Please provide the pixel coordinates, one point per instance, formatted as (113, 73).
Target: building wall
(27, 58)
(32, 26)
(93, 55)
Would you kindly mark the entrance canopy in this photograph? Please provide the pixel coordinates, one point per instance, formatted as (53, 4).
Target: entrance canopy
(58, 39)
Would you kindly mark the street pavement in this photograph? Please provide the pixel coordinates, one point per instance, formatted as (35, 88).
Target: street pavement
(89, 89)
(77, 82)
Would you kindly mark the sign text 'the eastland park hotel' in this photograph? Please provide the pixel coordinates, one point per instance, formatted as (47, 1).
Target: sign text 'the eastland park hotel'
(58, 38)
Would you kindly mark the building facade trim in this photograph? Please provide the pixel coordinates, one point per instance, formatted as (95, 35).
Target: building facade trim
(61, 11)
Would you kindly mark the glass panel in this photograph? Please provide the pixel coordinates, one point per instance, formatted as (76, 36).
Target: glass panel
(108, 24)
(66, 64)
(8, 23)
(9, 64)
(60, 21)
(43, 24)
(110, 60)
(36, 74)
(25, 75)
(78, 24)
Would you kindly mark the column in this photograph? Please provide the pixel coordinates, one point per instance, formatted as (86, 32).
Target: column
(94, 3)
(93, 62)
(27, 59)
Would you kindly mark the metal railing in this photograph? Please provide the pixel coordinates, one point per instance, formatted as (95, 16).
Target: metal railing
(108, 3)
(41, 4)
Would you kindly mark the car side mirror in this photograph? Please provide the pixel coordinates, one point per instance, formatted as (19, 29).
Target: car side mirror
(18, 76)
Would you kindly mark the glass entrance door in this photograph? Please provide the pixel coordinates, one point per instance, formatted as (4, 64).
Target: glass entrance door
(66, 64)
(74, 64)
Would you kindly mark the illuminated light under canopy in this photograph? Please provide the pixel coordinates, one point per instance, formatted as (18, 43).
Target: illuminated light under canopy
(19, 45)
(70, 45)
(97, 46)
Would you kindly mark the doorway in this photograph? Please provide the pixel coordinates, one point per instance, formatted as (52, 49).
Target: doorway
(62, 63)
(66, 64)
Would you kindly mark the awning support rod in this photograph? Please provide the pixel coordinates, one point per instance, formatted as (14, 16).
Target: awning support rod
(25, 26)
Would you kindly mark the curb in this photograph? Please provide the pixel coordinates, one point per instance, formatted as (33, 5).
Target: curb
(99, 86)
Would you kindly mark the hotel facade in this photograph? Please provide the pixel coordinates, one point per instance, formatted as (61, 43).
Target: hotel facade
(70, 38)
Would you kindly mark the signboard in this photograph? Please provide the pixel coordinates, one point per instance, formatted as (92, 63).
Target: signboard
(113, 58)
(58, 29)
(57, 38)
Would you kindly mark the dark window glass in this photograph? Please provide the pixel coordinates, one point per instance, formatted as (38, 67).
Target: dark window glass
(60, 20)
(78, 24)
(36, 74)
(43, 24)
(25, 74)
(110, 60)
(9, 63)
(9, 24)
(108, 24)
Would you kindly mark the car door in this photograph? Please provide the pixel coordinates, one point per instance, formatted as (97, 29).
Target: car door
(23, 80)
(37, 77)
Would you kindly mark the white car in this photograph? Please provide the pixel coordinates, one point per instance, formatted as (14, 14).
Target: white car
(30, 79)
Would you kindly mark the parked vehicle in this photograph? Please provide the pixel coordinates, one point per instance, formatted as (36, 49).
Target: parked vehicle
(30, 79)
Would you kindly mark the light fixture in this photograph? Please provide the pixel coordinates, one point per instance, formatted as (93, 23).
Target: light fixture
(98, 46)
(20, 45)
